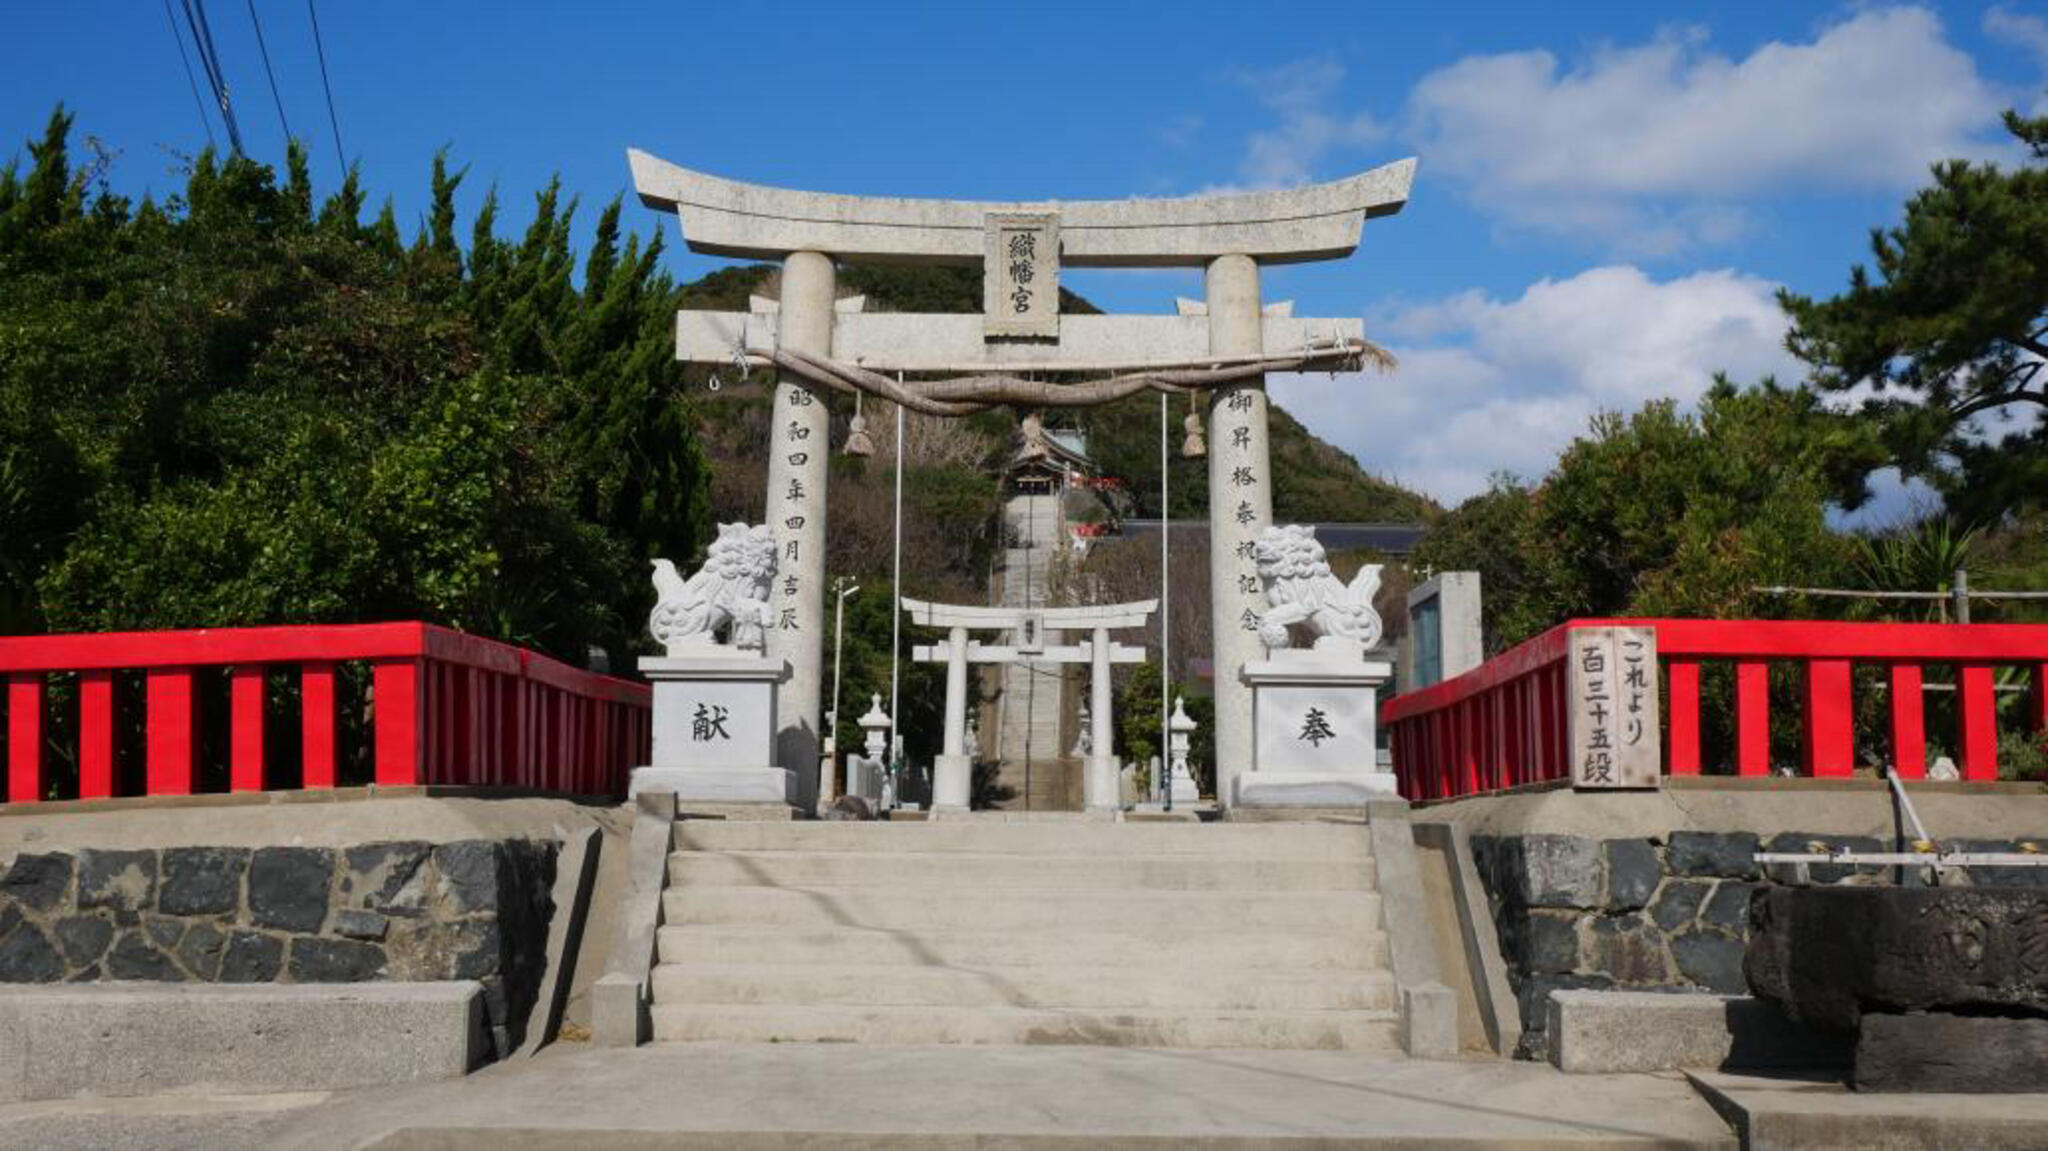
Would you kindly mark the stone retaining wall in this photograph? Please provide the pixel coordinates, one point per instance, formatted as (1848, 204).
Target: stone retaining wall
(401, 911)
(1656, 914)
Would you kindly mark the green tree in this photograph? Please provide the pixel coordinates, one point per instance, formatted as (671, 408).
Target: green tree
(1950, 333)
(1661, 513)
(240, 407)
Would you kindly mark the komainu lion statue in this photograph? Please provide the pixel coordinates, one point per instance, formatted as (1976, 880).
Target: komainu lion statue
(729, 591)
(1302, 590)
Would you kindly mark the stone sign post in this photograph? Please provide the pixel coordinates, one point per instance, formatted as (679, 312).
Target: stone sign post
(1615, 738)
(1223, 347)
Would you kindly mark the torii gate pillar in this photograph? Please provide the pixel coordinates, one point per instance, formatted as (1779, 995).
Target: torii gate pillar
(797, 466)
(1240, 507)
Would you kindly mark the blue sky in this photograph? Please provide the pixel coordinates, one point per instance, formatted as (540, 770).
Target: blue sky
(1608, 192)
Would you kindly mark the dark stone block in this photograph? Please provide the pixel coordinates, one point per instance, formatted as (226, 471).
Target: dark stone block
(1549, 871)
(471, 872)
(251, 957)
(1728, 908)
(201, 950)
(1728, 854)
(163, 931)
(2000, 876)
(84, 938)
(478, 948)
(1628, 950)
(38, 880)
(1829, 954)
(123, 880)
(1678, 902)
(134, 958)
(1976, 1054)
(288, 887)
(1711, 961)
(201, 880)
(1632, 873)
(1549, 942)
(1838, 872)
(386, 877)
(356, 924)
(28, 956)
(10, 915)
(317, 960)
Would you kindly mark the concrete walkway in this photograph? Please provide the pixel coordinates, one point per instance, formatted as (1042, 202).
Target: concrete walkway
(836, 1096)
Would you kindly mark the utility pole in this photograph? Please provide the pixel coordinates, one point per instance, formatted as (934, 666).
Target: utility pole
(828, 770)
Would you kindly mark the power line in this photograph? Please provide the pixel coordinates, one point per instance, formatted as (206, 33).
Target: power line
(264, 49)
(198, 104)
(332, 120)
(209, 60)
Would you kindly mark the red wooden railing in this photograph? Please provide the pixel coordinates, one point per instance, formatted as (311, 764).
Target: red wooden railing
(1502, 724)
(448, 708)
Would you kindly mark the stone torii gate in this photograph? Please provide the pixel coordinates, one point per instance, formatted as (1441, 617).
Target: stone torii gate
(1221, 346)
(953, 773)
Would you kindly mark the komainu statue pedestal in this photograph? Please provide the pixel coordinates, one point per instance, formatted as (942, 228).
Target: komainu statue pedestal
(1314, 731)
(714, 728)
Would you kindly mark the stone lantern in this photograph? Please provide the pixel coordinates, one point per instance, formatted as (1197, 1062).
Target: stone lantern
(1180, 732)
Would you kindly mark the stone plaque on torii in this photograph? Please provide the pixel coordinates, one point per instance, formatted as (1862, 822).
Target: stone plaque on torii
(1222, 347)
(952, 774)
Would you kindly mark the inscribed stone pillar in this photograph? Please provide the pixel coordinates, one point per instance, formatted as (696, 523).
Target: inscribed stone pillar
(1240, 507)
(953, 771)
(1099, 786)
(797, 463)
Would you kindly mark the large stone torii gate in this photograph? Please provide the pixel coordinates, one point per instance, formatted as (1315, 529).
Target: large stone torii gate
(1222, 346)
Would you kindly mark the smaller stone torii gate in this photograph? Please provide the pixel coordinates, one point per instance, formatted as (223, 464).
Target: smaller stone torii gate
(953, 772)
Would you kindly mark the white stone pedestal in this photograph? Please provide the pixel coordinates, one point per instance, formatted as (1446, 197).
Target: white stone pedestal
(1314, 725)
(714, 728)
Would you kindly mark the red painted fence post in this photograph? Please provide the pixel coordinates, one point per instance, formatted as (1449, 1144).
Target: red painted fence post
(95, 734)
(173, 709)
(1830, 742)
(1979, 722)
(25, 737)
(1684, 677)
(400, 744)
(1752, 718)
(316, 725)
(247, 768)
(1909, 722)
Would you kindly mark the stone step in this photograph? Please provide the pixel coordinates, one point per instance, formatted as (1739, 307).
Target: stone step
(1143, 988)
(1068, 839)
(925, 909)
(986, 872)
(1329, 949)
(1319, 1030)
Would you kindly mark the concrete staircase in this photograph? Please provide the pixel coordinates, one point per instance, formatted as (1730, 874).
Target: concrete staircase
(986, 931)
(1030, 705)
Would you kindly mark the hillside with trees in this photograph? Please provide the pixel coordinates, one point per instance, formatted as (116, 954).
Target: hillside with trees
(243, 406)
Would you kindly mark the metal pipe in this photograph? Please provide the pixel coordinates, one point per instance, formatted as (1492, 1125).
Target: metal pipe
(838, 649)
(1163, 778)
(895, 764)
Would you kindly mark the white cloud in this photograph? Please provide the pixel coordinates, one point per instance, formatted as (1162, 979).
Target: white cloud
(1301, 96)
(1487, 385)
(1653, 148)
(2030, 33)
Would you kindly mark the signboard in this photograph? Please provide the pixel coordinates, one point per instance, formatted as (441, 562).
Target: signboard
(1615, 740)
(1020, 285)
